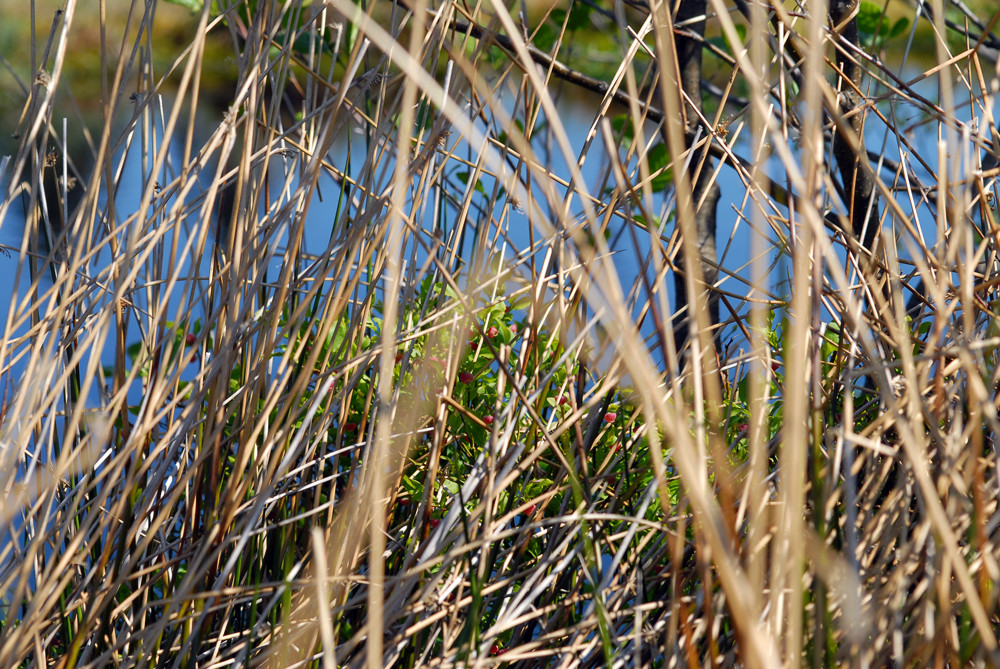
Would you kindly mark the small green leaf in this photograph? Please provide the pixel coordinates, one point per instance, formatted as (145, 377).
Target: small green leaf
(875, 28)
(504, 335)
(545, 37)
(641, 220)
(622, 125)
(193, 5)
(743, 390)
(537, 487)
(869, 16)
(336, 338)
(899, 27)
(658, 158)
(723, 43)
(831, 341)
(579, 17)
(464, 178)
(521, 303)
(741, 31)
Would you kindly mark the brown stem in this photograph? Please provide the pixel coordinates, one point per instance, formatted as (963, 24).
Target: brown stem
(705, 191)
(849, 139)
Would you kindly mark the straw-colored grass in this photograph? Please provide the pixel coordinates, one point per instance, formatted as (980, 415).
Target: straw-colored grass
(378, 366)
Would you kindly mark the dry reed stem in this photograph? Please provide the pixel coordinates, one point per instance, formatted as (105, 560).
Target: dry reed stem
(327, 485)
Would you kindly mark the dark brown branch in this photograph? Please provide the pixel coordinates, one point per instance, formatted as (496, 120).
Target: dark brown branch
(849, 139)
(712, 144)
(705, 191)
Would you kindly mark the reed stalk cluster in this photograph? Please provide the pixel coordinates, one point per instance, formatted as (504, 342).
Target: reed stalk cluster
(421, 351)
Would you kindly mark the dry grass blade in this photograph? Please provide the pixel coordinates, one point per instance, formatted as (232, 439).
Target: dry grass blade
(396, 335)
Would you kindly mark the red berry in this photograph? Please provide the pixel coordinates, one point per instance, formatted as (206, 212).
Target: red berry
(350, 426)
(434, 522)
(466, 377)
(494, 649)
(530, 510)
(610, 417)
(563, 400)
(492, 332)
(190, 339)
(488, 420)
(775, 366)
(403, 500)
(399, 357)
(194, 358)
(502, 651)
(741, 428)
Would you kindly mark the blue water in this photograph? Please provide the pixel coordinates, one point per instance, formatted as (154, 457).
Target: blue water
(629, 248)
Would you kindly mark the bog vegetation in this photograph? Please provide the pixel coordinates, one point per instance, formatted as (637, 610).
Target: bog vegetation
(604, 334)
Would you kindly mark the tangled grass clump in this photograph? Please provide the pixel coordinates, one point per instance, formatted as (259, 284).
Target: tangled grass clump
(387, 363)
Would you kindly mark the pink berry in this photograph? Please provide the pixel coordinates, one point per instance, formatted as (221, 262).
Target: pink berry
(513, 328)
(488, 420)
(492, 332)
(466, 377)
(610, 417)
